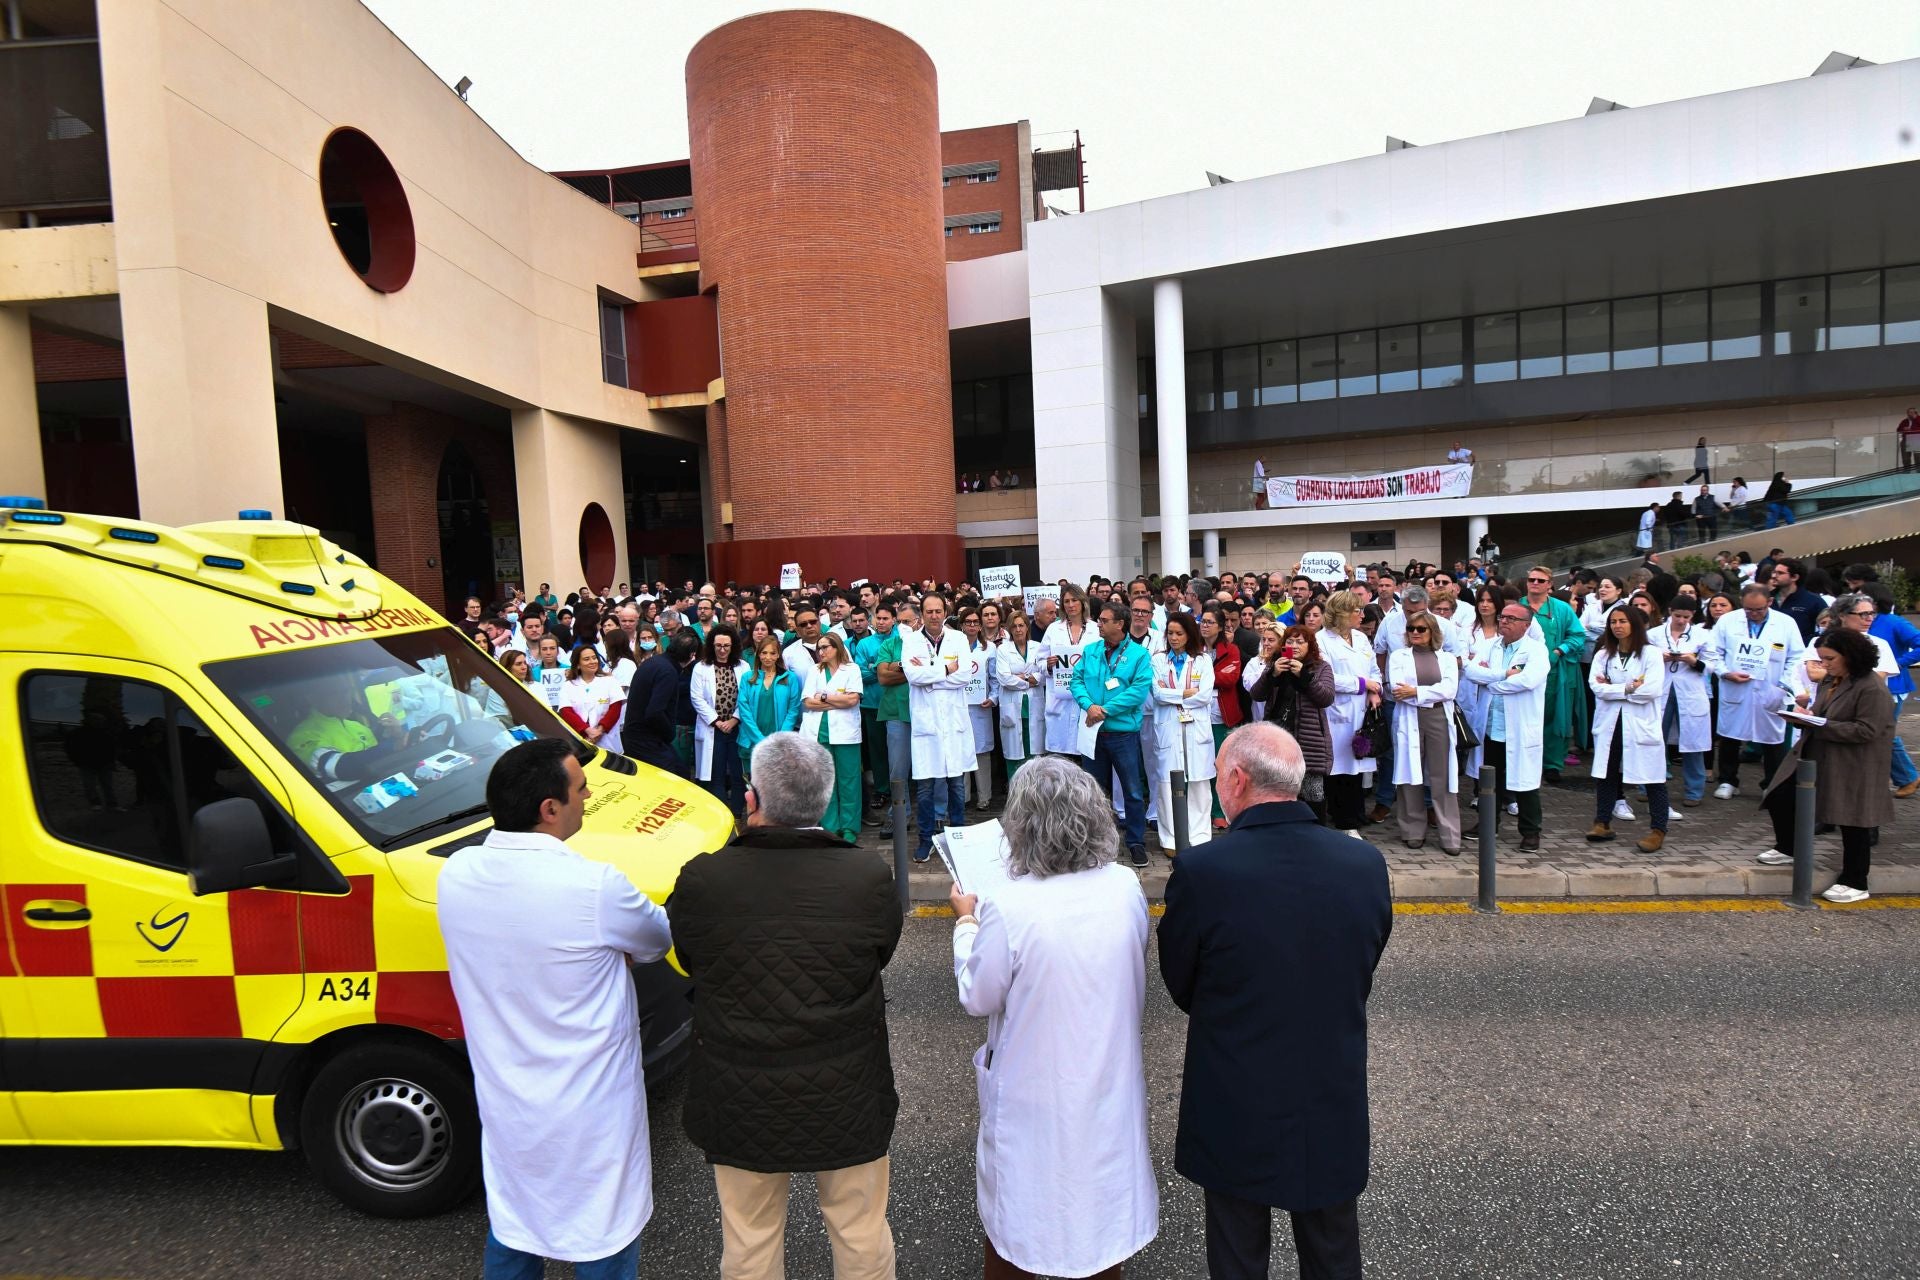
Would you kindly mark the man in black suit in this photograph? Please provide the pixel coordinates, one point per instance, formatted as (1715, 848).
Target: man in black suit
(1269, 942)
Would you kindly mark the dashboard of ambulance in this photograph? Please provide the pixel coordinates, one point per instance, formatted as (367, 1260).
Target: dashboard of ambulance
(399, 732)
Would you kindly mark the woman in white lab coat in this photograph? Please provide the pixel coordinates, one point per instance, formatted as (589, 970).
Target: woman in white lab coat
(1356, 684)
(714, 690)
(1482, 634)
(1021, 666)
(1688, 715)
(981, 711)
(1422, 678)
(1070, 633)
(1629, 683)
(1183, 695)
(1064, 1174)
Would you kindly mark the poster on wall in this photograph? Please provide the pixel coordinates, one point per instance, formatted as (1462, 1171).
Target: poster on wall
(506, 551)
(1004, 580)
(1451, 480)
(1324, 566)
(790, 577)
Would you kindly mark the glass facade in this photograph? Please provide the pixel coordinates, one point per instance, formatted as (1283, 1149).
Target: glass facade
(1493, 348)
(1736, 322)
(1400, 358)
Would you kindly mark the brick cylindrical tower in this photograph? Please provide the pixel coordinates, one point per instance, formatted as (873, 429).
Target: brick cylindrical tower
(816, 185)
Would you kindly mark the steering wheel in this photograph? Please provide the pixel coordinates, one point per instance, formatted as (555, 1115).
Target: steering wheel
(431, 727)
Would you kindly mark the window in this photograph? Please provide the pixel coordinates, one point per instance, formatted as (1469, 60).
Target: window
(1853, 305)
(1440, 364)
(613, 343)
(1143, 386)
(1358, 364)
(1400, 358)
(121, 766)
(1903, 305)
(949, 233)
(1238, 367)
(1317, 362)
(1279, 378)
(1736, 322)
(983, 228)
(1540, 343)
(1589, 337)
(1199, 382)
(1683, 327)
(975, 179)
(1636, 333)
(1373, 539)
(1799, 315)
(1493, 348)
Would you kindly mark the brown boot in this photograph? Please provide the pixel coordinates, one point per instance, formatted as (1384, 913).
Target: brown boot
(1651, 842)
(1908, 790)
(1380, 813)
(1601, 833)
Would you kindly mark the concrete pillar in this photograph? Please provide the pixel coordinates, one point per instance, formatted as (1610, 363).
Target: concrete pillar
(1210, 552)
(560, 466)
(21, 469)
(1086, 435)
(206, 439)
(1476, 530)
(1170, 403)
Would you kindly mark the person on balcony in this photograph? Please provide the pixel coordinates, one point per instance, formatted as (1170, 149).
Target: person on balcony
(1701, 461)
(1778, 512)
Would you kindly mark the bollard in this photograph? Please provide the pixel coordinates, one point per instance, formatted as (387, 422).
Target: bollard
(1803, 779)
(1177, 784)
(900, 846)
(1489, 899)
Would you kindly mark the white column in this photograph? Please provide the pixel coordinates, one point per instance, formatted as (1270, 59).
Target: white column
(1476, 530)
(1170, 405)
(1210, 552)
(21, 470)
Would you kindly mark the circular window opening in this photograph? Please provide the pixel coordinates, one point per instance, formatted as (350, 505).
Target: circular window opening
(367, 209)
(596, 546)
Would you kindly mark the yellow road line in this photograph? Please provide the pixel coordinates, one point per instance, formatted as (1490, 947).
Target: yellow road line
(1588, 907)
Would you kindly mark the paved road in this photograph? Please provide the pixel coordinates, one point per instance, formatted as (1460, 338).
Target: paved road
(1718, 1095)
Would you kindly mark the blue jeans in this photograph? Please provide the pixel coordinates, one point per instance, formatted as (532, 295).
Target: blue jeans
(503, 1263)
(942, 801)
(1119, 752)
(1778, 513)
(1693, 764)
(1903, 768)
(729, 781)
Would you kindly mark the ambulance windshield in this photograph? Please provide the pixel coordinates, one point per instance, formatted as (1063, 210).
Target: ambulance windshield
(400, 732)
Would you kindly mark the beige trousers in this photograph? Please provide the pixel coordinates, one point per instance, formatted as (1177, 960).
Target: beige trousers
(753, 1222)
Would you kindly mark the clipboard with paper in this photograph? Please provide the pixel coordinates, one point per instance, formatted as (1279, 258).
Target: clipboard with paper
(975, 856)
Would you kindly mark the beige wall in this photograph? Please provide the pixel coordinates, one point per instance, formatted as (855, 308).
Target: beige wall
(560, 466)
(1280, 547)
(994, 504)
(20, 470)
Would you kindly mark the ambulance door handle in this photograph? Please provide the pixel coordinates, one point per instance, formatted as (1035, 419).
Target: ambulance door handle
(56, 912)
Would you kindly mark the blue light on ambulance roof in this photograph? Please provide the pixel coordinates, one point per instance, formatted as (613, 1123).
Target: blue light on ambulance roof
(20, 502)
(297, 588)
(222, 562)
(133, 535)
(38, 517)
(256, 513)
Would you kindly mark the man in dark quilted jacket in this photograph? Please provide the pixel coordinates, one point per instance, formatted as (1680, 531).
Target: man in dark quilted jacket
(785, 932)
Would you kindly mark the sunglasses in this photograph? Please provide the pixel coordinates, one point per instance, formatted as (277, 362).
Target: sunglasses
(1417, 631)
(1539, 580)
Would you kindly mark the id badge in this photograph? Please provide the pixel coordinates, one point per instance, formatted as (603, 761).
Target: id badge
(1113, 682)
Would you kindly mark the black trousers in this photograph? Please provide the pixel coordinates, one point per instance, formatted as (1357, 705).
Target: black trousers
(1727, 761)
(1346, 802)
(1856, 843)
(1240, 1239)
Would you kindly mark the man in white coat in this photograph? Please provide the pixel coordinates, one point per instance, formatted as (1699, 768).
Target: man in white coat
(1753, 652)
(1514, 672)
(538, 940)
(939, 664)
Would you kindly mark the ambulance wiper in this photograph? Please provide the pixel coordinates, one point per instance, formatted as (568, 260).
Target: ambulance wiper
(425, 828)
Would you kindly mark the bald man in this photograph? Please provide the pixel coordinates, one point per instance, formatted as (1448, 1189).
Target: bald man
(1269, 943)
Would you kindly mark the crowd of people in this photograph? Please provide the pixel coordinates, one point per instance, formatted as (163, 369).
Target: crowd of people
(1400, 687)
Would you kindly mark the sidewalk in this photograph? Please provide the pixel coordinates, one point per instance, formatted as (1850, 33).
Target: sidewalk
(1709, 853)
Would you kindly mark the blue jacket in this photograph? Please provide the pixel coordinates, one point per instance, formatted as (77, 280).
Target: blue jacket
(866, 656)
(1132, 668)
(1269, 943)
(1904, 639)
(786, 702)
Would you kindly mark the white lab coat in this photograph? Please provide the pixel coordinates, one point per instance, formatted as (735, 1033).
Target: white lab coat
(1643, 745)
(1064, 715)
(537, 942)
(799, 661)
(1351, 663)
(1472, 697)
(983, 688)
(1193, 693)
(1010, 667)
(843, 723)
(1408, 770)
(701, 691)
(1057, 966)
(1687, 687)
(1593, 618)
(942, 731)
(1526, 703)
(1750, 710)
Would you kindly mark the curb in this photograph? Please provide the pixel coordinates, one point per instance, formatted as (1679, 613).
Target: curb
(1575, 907)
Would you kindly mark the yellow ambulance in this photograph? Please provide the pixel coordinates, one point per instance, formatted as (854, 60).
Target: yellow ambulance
(235, 762)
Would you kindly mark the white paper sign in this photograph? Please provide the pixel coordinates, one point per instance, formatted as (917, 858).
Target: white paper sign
(1034, 595)
(1324, 566)
(789, 577)
(1001, 581)
(1753, 658)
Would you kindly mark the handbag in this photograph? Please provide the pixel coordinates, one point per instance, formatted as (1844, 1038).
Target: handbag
(1372, 730)
(1465, 738)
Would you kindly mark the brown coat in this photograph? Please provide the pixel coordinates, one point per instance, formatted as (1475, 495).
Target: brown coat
(1852, 748)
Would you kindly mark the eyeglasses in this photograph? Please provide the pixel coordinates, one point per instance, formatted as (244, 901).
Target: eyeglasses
(1514, 617)
(1862, 613)
(1143, 613)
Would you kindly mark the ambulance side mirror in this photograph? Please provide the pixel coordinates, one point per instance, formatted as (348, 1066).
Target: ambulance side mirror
(228, 847)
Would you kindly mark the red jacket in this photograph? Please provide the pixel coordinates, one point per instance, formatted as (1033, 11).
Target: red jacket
(1226, 682)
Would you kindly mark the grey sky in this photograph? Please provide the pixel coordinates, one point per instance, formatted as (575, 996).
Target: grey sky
(1160, 92)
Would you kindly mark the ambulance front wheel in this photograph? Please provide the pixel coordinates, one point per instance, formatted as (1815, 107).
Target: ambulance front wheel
(392, 1129)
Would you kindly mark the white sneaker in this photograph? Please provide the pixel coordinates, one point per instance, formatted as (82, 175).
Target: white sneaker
(1674, 815)
(1623, 811)
(1841, 893)
(1513, 808)
(1773, 858)
(1725, 791)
